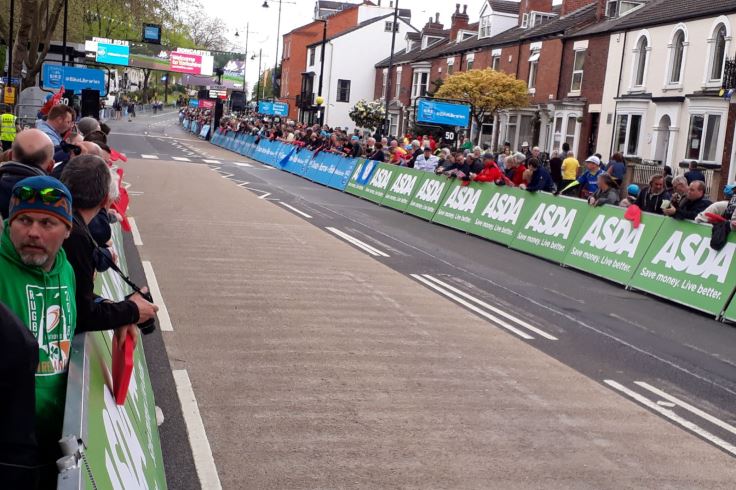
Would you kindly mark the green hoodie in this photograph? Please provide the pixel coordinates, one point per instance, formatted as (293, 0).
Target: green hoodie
(44, 301)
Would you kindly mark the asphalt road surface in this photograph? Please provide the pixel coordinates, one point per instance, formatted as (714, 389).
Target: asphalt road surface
(334, 343)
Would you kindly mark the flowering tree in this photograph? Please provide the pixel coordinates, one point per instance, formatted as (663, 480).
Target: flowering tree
(369, 115)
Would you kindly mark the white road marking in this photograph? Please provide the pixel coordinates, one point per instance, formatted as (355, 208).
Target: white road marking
(211, 161)
(135, 193)
(149, 157)
(136, 234)
(181, 159)
(204, 462)
(264, 195)
(243, 184)
(472, 307)
(295, 210)
(226, 175)
(164, 320)
(713, 420)
(242, 164)
(673, 417)
(502, 313)
(358, 243)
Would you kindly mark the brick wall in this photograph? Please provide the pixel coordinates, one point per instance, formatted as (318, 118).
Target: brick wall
(728, 147)
(573, 5)
(594, 74)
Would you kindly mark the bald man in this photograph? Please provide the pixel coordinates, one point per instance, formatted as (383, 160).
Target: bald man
(32, 154)
(84, 148)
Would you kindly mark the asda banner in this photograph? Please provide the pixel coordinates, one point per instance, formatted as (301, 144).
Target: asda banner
(498, 212)
(548, 224)
(730, 313)
(681, 266)
(403, 186)
(371, 179)
(460, 204)
(609, 246)
(429, 195)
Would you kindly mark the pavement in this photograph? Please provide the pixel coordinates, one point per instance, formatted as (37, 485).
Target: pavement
(317, 365)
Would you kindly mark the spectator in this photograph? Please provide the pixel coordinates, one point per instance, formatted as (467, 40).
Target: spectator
(633, 192)
(606, 191)
(501, 160)
(131, 110)
(694, 173)
(679, 190)
(617, 168)
(370, 146)
(694, 204)
(589, 179)
(445, 164)
(87, 124)
(59, 122)
(490, 172)
(378, 154)
(517, 169)
(416, 151)
(541, 180)
(653, 198)
(355, 150)
(555, 168)
(668, 178)
(426, 162)
(33, 155)
(31, 260)
(570, 170)
(525, 150)
(459, 169)
(724, 208)
(84, 148)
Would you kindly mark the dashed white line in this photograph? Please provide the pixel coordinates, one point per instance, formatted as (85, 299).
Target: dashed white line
(492, 308)
(212, 161)
(149, 157)
(358, 243)
(295, 210)
(264, 196)
(243, 184)
(226, 175)
(242, 164)
(164, 320)
(673, 417)
(137, 241)
(181, 159)
(204, 462)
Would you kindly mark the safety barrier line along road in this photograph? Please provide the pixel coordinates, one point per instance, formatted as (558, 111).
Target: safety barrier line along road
(360, 244)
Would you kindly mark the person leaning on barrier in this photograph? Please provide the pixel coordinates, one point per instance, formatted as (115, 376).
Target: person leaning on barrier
(88, 180)
(37, 284)
(652, 197)
(606, 193)
(679, 191)
(426, 162)
(541, 179)
(32, 155)
(694, 204)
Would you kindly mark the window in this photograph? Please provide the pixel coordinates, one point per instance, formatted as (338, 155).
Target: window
(496, 62)
(616, 8)
(577, 71)
(538, 18)
(390, 25)
(642, 49)
(572, 122)
(719, 53)
(420, 84)
(628, 127)
(678, 50)
(627, 7)
(384, 84)
(398, 85)
(525, 21)
(702, 139)
(450, 65)
(612, 8)
(533, 67)
(393, 124)
(485, 27)
(311, 56)
(470, 63)
(526, 130)
(343, 90)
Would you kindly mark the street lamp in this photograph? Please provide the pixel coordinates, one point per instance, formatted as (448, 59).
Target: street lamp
(245, 57)
(278, 35)
(387, 123)
(322, 70)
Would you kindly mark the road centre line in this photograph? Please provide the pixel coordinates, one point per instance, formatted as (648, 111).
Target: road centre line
(164, 320)
(295, 210)
(498, 311)
(673, 417)
(358, 243)
(137, 240)
(212, 161)
(713, 420)
(204, 462)
(472, 307)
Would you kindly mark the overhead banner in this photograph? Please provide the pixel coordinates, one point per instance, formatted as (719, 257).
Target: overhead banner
(681, 266)
(548, 225)
(442, 113)
(609, 246)
(429, 196)
(73, 78)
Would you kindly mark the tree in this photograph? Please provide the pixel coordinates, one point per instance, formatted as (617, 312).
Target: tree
(489, 91)
(369, 115)
(38, 19)
(264, 88)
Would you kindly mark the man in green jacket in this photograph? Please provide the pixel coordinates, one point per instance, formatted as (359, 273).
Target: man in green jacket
(37, 284)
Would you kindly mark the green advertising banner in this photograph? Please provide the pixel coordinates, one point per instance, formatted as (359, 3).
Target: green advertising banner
(361, 176)
(609, 246)
(497, 213)
(460, 204)
(548, 224)
(405, 183)
(371, 180)
(730, 313)
(428, 196)
(681, 266)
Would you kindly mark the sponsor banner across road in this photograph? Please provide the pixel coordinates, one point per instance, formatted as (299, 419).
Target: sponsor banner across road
(681, 266)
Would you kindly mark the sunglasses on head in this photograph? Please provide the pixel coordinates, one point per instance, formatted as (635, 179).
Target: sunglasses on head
(49, 195)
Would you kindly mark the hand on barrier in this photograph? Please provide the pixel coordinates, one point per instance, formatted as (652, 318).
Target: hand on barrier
(146, 309)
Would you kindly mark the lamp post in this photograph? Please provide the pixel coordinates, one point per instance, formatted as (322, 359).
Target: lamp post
(387, 123)
(322, 70)
(278, 40)
(258, 86)
(245, 58)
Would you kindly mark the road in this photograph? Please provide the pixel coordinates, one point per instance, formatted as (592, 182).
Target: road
(621, 380)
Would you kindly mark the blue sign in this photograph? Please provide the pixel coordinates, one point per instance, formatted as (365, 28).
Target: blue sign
(193, 103)
(443, 113)
(273, 108)
(72, 78)
(113, 54)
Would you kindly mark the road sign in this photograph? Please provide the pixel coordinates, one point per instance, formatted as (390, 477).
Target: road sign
(9, 95)
(442, 113)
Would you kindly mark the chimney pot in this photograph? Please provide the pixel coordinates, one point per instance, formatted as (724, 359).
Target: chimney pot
(437, 17)
(465, 10)
(457, 8)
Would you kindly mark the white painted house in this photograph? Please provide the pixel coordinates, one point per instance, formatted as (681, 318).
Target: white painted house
(349, 65)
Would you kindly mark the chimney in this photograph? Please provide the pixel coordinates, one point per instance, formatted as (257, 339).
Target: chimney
(459, 21)
(573, 5)
(434, 24)
(528, 6)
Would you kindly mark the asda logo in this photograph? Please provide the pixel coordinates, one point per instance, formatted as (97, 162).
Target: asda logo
(504, 208)
(463, 199)
(693, 255)
(615, 235)
(552, 220)
(380, 178)
(404, 184)
(431, 191)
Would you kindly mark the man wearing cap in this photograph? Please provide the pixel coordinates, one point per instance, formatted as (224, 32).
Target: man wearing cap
(37, 285)
(426, 162)
(589, 179)
(356, 150)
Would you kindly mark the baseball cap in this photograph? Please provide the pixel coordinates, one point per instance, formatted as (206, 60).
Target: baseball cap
(593, 159)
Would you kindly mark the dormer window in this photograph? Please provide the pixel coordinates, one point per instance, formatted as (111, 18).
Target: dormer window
(539, 18)
(619, 8)
(484, 28)
(429, 40)
(524, 21)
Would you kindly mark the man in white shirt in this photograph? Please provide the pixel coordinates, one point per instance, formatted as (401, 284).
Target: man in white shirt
(426, 162)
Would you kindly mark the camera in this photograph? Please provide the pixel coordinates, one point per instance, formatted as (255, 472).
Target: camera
(149, 326)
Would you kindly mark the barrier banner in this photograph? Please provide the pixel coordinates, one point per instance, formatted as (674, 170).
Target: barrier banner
(404, 185)
(548, 224)
(216, 135)
(298, 162)
(428, 196)
(240, 144)
(730, 313)
(460, 204)
(497, 213)
(361, 177)
(205, 131)
(609, 246)
(342, 173)
(681, 266)
(321, 167)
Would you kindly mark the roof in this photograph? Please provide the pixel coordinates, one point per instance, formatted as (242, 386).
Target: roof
(658, 12)
(417, 54)
(360, 26)
(505, 6)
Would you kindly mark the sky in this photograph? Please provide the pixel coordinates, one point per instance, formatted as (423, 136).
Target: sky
(263, 21)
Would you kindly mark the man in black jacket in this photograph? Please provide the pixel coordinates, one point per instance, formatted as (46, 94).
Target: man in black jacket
(88, 179)
(650, 198)
(32, 154)
(694, 204)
